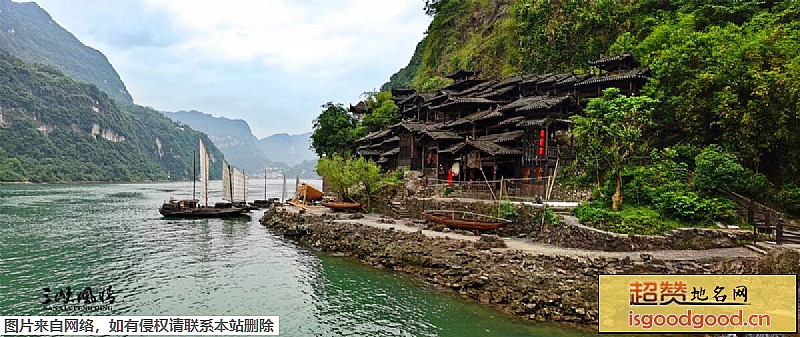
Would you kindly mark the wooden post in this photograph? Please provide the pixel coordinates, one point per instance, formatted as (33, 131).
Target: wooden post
(751, 215)
(779, 231)
(768, 219)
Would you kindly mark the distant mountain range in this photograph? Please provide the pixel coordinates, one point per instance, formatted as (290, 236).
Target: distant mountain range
(56, 127)
(290, 149)
(242, 149)
(27, 31)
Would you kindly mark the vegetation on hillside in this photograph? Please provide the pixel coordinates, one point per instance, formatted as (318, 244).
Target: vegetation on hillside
(52, 129)
(724, 73)
(28, 32)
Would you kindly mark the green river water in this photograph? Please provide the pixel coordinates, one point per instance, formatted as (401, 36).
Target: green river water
(100, 235)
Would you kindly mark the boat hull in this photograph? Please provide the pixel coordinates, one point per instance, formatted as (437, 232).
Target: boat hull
(459, 222)
(203, 212)
(343, 206)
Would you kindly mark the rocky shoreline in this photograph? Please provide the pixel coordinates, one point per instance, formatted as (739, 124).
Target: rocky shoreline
(541, 287)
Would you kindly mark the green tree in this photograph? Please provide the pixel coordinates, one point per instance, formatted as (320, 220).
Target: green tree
(335, 131)
(383, 110)
(348, 175)
(613, 127)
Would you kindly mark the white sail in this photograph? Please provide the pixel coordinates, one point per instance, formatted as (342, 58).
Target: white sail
(227, 191)
(239, 185)
(203, 173)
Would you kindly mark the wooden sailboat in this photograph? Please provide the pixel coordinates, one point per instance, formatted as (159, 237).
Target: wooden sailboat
(191, 208)
(266, 202)
(465, 220)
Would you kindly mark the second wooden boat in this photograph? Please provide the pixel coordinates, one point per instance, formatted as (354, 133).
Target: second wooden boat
(342, 206)
(464, 220)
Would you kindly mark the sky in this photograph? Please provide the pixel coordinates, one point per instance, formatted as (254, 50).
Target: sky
(272, 63)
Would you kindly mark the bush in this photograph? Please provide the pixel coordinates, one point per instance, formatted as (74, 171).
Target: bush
(507, 210)
(716, 168)
(629, 220)
(789, 197)
(695, 209)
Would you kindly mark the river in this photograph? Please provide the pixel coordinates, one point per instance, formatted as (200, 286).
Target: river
(100, 235)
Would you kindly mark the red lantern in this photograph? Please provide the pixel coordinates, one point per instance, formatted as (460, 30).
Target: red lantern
(541, 143)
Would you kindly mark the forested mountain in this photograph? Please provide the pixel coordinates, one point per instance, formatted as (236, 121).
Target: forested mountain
(232, 136)
(27, 31)
(724, 72)
(54, 128)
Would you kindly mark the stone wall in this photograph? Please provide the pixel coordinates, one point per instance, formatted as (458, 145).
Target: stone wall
(528, 286)
(566, 193)
(571, 234)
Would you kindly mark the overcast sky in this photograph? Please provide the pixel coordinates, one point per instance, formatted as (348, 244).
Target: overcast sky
(269, 62)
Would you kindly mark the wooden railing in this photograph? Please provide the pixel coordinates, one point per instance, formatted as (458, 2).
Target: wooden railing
(766, 221)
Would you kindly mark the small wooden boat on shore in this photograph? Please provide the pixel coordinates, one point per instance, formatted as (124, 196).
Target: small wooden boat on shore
(342, 206)
(464, 220)
(308, 192)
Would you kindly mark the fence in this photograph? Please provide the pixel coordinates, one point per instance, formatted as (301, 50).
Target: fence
(767, 223)
(532, 189)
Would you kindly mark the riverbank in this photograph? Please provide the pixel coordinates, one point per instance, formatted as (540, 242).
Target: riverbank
(526, 279)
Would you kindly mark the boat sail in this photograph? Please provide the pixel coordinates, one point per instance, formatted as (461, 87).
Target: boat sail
(240, 185)
(203, 172)
(227, 188)
(190, 208)
(234, 184)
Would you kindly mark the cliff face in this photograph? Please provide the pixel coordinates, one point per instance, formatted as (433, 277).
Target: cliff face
(28, 32)
(508, 37)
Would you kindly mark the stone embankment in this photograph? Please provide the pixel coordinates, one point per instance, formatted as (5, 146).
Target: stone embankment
(528, 280)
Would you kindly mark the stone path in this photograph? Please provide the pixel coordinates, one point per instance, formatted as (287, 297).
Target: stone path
(528, 246)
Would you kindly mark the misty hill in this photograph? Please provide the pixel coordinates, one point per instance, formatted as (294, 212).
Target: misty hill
(232, 136)
(28, 32)
(290, 149)
(54, 128)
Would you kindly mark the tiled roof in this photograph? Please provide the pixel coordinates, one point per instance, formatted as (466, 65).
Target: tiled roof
(492, 148)
(512, 120)
(391, 152)
(542, 122)
(610, 59)
(643, 73)
(437, 135)
(534, 103)
(503, 137)
(477, 116)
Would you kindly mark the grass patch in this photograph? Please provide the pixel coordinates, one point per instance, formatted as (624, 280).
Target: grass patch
(629, 220)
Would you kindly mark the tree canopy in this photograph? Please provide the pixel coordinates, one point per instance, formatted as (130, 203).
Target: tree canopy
(335, 131)
(611, 132)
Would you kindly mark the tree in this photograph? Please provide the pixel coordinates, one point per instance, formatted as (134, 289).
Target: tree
(335, 131)
(383, 110)
(611, 132)
(345, 175)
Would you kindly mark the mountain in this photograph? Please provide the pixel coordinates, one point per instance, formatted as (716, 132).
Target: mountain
(28, 32)
(54, 128)
(724, 72)
(290, 149)
(232, 136)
